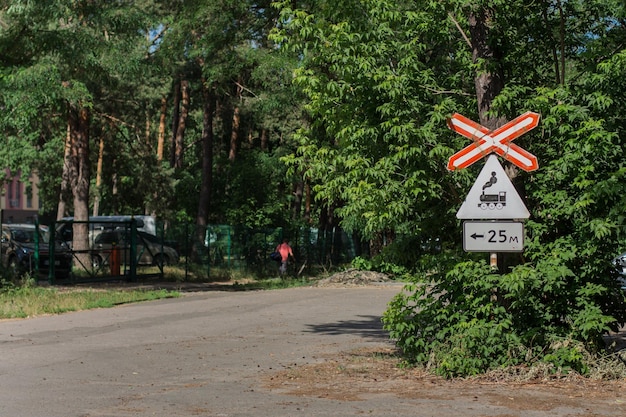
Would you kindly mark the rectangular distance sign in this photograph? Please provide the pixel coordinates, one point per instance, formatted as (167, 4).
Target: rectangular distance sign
(493, 236)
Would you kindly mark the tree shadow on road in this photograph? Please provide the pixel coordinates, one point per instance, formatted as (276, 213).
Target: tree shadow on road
(369, 327)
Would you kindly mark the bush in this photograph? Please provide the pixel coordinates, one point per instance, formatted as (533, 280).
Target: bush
(471, 320)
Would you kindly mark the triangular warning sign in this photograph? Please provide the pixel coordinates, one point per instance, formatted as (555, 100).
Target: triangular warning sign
(493, 196)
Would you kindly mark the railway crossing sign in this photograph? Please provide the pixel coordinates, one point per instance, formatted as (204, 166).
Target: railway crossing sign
(493, 236)
(493, 196)
(498, 141)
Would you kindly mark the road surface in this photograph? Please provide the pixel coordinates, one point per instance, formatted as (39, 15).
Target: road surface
(211, 354)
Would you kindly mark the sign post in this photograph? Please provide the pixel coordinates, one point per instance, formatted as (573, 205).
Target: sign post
(493, 208)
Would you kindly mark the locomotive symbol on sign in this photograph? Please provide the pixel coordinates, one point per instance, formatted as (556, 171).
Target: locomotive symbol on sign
(492, 201)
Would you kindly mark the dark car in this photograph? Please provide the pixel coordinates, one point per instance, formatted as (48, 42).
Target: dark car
(150, 249)
(19, 243)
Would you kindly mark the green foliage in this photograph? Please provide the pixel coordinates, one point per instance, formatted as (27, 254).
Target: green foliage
(256, 198)
(363, 264)
(378, 264)
(405, 255)
(472, 320)
(374, 149)
(567, 355)
(64, 53)
(454, 327)
(382, 76)
(222, 46)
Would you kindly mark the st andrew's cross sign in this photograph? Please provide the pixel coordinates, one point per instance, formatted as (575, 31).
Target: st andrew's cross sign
(498, 141)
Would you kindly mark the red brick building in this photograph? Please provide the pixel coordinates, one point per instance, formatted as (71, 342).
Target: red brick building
(19, 201)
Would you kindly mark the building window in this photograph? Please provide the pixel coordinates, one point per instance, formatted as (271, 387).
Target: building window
(18, 194)
(14, 194)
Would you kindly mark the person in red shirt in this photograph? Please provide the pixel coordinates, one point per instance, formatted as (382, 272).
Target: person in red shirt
(285, 252)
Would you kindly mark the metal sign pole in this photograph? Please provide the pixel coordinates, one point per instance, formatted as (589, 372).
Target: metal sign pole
(493, 261)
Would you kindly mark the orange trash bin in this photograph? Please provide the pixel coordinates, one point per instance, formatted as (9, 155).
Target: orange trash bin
(114, 261)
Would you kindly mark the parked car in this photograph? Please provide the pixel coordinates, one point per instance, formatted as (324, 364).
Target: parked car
(620, 264)
(150, 249)
(98, 224)
(18, 250)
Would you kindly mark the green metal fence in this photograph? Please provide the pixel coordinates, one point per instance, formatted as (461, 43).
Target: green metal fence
(114, 249)
(214, 249)
(119, 249)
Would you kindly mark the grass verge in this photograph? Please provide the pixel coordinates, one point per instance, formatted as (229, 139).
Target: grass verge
(26, 299)
(22, 302)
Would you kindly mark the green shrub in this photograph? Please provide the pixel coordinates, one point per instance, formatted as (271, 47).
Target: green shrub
(471, 320)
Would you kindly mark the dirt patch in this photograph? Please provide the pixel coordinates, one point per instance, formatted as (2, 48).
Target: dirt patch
(361, 374)
(354, 277)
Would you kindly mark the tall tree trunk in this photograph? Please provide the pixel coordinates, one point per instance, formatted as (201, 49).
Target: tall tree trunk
(264, 139)
(234, 135)
(489, 83)
(307, 214)
(307, 206)
(562, 39)
(79, 180)
(327, 227)
(151, 207)
(296, 206)
(489, 80)
(161, 137)
(555, 54)
(179, 141)
(175, 120)
(65, 192)
(234, 132)
(380, 240)
(115, 189)
(96, 200)
(208, 112)
(204, 199)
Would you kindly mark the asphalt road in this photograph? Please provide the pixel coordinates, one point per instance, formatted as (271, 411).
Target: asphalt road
(209, 353)
(203, 354)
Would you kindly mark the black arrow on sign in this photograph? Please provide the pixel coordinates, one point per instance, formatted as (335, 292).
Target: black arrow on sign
(475, 236)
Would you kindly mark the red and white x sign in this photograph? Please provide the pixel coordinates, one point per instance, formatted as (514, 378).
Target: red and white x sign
(498, 141)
